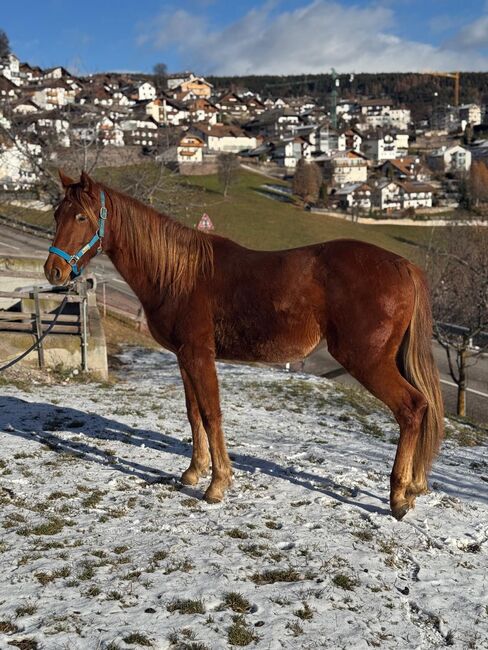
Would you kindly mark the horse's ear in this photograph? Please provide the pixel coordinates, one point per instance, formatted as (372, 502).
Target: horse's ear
(87, 184)
(66, 181)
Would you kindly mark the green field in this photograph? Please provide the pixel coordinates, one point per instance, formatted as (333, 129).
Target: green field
(247, 216)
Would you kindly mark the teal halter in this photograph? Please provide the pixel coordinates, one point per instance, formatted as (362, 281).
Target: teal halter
(98, 236)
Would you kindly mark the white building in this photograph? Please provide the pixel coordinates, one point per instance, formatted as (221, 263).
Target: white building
(17, 163)
(345, 167)
(353, 195)
(167, 111)
(385, 146)
(146, 90)
(452, 159)
(224, 138)
(470, 113)
(190, 149)
(392, 195)
(10, 68)
(288, 151)
(140, 132)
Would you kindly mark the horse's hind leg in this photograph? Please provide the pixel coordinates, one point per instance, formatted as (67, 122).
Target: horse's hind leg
(408, 406)
(200, 459)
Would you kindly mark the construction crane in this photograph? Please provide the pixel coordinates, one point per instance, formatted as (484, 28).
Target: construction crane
(450, 75)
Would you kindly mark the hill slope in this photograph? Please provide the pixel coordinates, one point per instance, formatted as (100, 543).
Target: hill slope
(302, 554)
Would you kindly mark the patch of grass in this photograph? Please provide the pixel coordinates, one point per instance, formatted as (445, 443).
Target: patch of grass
(46, 578)
(51, 527)
(118, 550)
(6, 627)
(276, 575)
(93, 499)
(363, 535)
(159, 556)
(87, 570)
(345, 582)
(239, 633)
(186, 606)
(236, 602)
(305, 613)
(295, 628)
(25, 610)
(136, 638)
(253, 550)
(236, 533)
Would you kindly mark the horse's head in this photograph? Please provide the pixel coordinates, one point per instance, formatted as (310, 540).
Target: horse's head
(78, 218)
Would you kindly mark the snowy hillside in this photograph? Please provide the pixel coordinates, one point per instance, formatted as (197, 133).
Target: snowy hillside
(101, 547)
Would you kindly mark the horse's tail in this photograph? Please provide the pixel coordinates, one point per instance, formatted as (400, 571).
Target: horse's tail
(420, 370)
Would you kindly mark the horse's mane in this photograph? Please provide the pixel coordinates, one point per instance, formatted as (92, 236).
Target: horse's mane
(171, 254)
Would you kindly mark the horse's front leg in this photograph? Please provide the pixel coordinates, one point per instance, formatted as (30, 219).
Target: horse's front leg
(199, 364)
(200, 459)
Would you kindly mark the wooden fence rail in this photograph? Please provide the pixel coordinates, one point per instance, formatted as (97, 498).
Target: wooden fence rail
(35, 320)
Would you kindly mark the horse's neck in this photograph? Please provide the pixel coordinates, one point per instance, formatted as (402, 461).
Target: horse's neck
(121, 254)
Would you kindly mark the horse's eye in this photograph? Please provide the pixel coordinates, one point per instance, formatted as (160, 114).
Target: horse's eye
(80, 217)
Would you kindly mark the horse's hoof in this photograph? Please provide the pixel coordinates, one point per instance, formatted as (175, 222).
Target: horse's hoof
(213, 497)
(189, 477)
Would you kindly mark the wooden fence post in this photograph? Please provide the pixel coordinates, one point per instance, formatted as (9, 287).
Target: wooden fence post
(40, 346)
(84, 326)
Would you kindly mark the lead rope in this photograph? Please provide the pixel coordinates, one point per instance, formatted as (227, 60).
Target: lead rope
(39, 340)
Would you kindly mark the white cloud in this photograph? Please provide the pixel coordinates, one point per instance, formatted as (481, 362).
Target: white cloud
(312, 38)
(472, 36)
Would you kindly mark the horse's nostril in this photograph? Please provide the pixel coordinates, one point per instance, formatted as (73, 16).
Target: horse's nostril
(56, 273)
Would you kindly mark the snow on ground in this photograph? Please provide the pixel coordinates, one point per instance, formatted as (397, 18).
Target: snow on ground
(101, 547)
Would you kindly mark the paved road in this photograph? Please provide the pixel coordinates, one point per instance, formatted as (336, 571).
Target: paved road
(119, 295)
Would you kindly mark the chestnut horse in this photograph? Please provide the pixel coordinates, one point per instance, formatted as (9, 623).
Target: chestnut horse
(207, 298)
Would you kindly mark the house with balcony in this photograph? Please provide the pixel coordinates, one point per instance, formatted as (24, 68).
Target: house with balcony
(343, 167)
(190, 149)
(167, 111)
(450, 159)
(385, 145)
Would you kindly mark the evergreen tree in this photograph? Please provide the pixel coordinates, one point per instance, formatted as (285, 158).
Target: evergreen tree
(4, 45)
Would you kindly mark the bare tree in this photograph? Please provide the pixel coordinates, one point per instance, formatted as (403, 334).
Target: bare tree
(458, 267)
(227, 170)
(307, 181)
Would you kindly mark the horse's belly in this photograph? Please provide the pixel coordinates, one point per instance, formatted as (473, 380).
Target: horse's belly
(246, 342)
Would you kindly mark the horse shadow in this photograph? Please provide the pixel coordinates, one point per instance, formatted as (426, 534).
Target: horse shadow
(38, 422)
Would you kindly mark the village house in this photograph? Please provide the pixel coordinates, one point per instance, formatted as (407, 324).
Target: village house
(344, 167)
(288, 151)
(50, 125)
(109, 132)
(177, 78)
(201, 110)
(225, 138)
(190, 149)
(376, 113)
(385, 145)
(140, 91)
(10, 69)
(274, 123)
(450, 159)
(231, 104)
(470, 114)
(195, 87)
(30, 74)
(141, 132)
(387, 196)
(355, 196)
(96, 95)
(349, 139)
(9, 92)
(408, 168)
(51, 94)
(390, 196)
(18, 163)
(167, 112)
(415, 194)
(254, 106)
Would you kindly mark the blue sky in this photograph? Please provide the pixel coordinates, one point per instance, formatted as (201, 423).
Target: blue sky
(245, 36)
